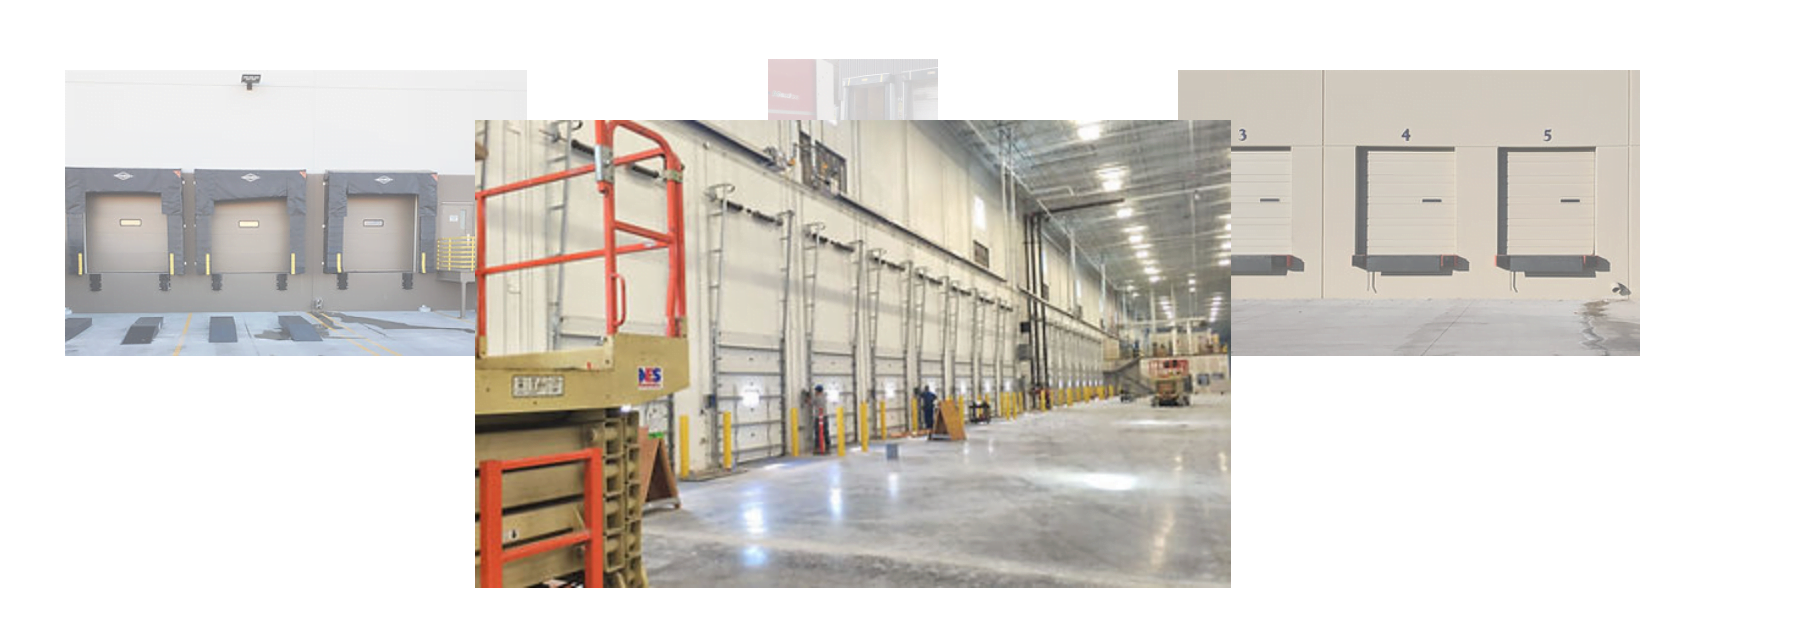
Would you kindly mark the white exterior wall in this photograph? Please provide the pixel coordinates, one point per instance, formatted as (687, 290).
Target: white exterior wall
(1327, 119)
(317, 120)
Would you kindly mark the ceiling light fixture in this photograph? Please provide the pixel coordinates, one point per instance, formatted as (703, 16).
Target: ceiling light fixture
(1135, 238)
(1141, 254)
(1112, 184)
(1089, 132)
(1124, 212)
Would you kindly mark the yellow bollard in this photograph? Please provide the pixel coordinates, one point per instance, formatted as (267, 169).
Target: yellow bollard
(727, 441)
(863, 409)
(883, 420)
(840, 429)
(794, 434)
(683, 446)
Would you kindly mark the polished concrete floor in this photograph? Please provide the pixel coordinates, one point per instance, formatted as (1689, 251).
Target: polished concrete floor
(1437, 327)
(1098, 495)
(350, 333)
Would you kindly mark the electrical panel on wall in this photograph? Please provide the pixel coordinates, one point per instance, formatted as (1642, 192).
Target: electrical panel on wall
(822, 167)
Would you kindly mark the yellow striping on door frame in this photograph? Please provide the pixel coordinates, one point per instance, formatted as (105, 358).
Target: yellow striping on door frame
(184, 335)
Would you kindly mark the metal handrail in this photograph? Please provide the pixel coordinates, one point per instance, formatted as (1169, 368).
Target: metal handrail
(457, 253)
(671, 240)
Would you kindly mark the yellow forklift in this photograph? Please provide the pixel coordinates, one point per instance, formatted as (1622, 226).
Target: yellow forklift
(558, 461)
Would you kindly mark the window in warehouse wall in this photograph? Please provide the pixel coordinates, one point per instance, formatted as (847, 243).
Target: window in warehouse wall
(981, 255)
(978, 213)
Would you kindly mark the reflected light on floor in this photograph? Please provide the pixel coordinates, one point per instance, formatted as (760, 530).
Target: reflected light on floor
(754, 518)
(834, 502)
(752, 556)
(1108, 481)
(892, 480)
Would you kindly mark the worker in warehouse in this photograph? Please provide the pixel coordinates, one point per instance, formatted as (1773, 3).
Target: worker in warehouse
(926, 394)
(817, 404)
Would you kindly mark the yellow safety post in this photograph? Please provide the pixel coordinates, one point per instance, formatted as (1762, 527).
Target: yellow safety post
(341, 263)
(209, 264)
(683, 446)
(727, 440)
(863, 407)
(910, 420)
(794, 434)
(172, 264)
(423, 262)
(840, 430)
(883, 422)
(291, 264)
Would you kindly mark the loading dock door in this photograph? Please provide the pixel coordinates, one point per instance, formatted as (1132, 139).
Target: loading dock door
(379, 233)
(1410, 202)
(127, 233)
(1549, 202)
(1260, 200)
(249, 236)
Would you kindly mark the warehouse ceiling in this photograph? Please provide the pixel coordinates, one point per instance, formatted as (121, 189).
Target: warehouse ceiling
(1136, 195)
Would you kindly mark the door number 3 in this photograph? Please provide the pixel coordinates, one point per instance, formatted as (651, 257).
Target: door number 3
(1244, 133)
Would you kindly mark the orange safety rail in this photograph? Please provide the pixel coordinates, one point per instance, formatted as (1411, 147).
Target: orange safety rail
(671, 239)
(490, 492)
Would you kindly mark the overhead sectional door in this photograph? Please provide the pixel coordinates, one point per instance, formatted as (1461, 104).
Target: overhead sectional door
(831, 356)
(887, 346)
(1549, 202)
(1410, 203)
(928, 355)
(748, 382)
(1260, 202)
(250, 236)
(379, 233)
(126, 234)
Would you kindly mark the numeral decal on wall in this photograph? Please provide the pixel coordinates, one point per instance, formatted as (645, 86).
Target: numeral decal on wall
(1244, 133)
(1407, 135)
(1548, 134)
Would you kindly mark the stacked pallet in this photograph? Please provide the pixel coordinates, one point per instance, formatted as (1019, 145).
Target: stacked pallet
(547, 502)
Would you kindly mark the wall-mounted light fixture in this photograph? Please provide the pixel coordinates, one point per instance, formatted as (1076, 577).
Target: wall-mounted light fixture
(250, 79)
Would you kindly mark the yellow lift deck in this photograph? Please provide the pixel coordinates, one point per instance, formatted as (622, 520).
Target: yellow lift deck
(557, 460)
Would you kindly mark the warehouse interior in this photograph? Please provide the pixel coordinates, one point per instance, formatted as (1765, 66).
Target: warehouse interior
(344, 227)
(853, 353)
(1431, 212)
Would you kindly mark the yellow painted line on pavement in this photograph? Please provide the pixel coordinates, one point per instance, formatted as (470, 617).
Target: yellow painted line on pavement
(184, 335)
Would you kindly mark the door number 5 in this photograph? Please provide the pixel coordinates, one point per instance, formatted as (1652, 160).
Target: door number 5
(1548, 135)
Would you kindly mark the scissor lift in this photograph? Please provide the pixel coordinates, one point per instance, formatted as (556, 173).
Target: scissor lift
(542, 416)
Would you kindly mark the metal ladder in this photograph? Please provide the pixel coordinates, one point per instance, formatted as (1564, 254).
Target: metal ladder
(717, 222)
(558, 158)
(874, 284)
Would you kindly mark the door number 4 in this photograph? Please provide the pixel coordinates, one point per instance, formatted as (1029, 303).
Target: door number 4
(1406, 135)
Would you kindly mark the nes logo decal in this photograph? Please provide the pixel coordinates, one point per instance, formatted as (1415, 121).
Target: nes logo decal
(123, 175)
(652, 378)
(385, 179)
(249, 177)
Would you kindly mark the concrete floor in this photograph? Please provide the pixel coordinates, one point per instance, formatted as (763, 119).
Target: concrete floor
(1436, 327)
(352, 333)
(1103, 494)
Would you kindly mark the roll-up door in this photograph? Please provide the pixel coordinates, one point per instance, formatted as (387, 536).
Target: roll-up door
(748, 382)
(1260, 202)
(887, 347)
(1549, 202)
(379, 233)
(249, 236)
(126, 234)
(1409, 203)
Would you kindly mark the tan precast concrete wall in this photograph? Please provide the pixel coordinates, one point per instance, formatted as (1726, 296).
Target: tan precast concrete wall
(137, 292)
(1328, 118)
